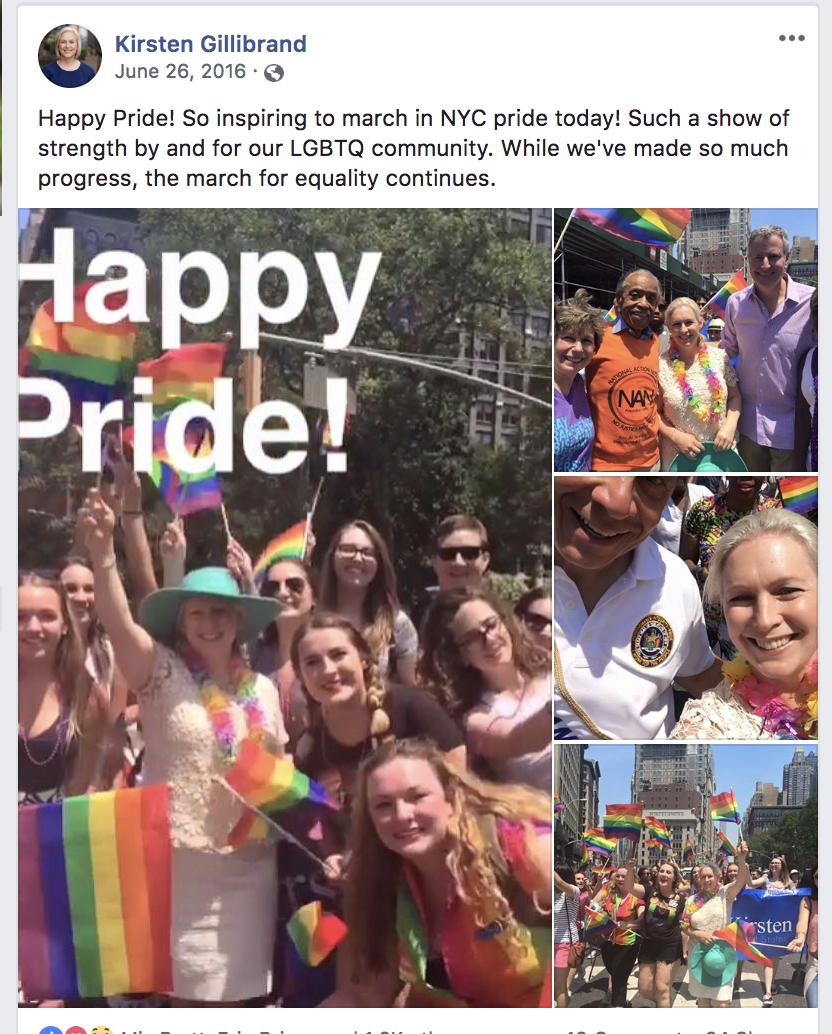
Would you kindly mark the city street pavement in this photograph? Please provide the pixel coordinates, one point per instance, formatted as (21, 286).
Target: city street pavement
(787, 995)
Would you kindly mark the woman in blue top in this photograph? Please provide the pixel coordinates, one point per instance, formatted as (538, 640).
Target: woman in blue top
(68, 70)
(578, 332)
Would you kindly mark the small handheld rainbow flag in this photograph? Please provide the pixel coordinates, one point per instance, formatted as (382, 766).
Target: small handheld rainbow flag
(720, 299)
(94, 892)
(656, 227)
(688, 855)
(183, 492)
(594, 840)
(315, 934)
(597, 922)
(557, 803)
(289, 543)
(184, 374)
(726, 843)
(272, 785)
(657, 832)
(623, 821)
(724, 807)
(611, 315)
(93, 361)
(799, 494)
(738, 941)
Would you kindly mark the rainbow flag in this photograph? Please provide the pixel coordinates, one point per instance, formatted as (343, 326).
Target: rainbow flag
(597, 921)
(94, 892)
(93, 361)
(273, 785)
(198, 491)
(184, 493)
(315, 934)
(799, 494)
(656, 227)
(289, 543)
(623, 821)
(594, 840)
(184, 374)
(724, 807)
(688, 855)
(738, 941)
(725, 844)
(720, 299)
(611, 315)
(658, 835)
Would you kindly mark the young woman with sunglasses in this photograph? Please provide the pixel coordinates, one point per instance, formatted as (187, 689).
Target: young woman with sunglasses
(359, 583)
(534, 611)
(291, 583)
(494, 682)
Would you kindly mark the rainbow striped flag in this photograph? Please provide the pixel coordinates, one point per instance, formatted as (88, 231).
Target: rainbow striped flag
(597, 922)
(611, 315)
(184, 493)
(93, 361)
(724, 807)
(184, 374)
(688, 855)
(658, 835)
(315, 934)
(656, 227)
(799, 494)
(94, 891)
(273, 785)
(594, 840)
(720, 299)
(725, 844)
(738, 941)
(289, 543)
(623, 821)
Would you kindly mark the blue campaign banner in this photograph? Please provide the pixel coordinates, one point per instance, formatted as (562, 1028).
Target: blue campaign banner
(774, 915)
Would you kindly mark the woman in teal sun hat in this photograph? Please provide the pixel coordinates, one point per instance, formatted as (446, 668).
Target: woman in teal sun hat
(712, 971)
(198, 700)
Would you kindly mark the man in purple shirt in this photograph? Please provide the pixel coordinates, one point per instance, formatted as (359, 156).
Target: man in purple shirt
(769, 327)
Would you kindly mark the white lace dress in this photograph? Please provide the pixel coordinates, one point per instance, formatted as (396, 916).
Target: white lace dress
(719, 715)
(677, 410)
(713, 915)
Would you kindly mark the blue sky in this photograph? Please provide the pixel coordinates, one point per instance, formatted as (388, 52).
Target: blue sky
(803, 221)
(737, 766)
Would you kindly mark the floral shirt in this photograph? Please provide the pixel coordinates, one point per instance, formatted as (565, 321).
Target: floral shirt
(709, 518)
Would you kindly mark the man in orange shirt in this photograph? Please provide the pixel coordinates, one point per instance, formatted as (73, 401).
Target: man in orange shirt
(623, 380)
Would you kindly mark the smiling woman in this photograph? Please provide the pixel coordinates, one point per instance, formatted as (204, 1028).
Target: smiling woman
(764, 574)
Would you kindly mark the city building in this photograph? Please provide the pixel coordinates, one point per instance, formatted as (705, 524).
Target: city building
(800, 777)
(766, 793)
(759, 818)
(715, 241)
(804, 249)
(683, 825)
(590, 780)
(568, 829)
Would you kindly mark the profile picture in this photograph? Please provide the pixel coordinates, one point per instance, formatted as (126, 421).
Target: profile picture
(69, 56)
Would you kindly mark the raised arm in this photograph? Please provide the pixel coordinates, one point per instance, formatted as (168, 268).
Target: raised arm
(494, 737)
(741, 879)
(128, 489)
(133, 647)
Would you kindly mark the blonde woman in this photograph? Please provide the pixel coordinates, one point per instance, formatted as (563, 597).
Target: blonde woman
(448, 888)
(700, 399)
(68, 70)
(358, 581)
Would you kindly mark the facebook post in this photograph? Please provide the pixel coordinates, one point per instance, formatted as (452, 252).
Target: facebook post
(308, 317)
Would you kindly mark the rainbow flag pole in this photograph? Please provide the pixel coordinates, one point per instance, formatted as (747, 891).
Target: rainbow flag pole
(275, 825)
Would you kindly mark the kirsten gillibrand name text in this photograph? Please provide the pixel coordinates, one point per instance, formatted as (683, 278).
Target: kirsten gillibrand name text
(231, 43)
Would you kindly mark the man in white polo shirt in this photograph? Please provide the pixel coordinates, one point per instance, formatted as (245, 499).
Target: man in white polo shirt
(628, 618)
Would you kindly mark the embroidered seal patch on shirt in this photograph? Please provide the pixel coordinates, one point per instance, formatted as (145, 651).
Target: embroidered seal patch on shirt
(652, 641)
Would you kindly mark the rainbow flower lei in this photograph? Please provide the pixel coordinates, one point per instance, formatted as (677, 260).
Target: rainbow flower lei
(220, 706)
(718, 392)
(763, 700)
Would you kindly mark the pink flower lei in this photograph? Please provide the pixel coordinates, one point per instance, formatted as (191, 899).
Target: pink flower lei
(763, 700)
(718, 392)
(220, 705)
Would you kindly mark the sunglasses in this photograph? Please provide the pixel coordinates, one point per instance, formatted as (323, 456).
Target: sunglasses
(536, 622)
(274, 585)
(468, 553)
(481, 634)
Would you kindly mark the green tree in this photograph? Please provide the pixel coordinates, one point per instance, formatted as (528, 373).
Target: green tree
(795, 836)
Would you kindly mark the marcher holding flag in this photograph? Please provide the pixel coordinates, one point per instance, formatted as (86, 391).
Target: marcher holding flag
(662, 945)
(713, 962)
(199, 701)
(621, 903)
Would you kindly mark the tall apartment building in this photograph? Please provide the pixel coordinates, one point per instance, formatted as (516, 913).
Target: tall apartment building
(590, 780)
(800, 777)
(568, 770)
(715, 240)
(804, 249)
(498, 421)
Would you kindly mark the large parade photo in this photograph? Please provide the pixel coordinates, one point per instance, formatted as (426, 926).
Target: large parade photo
(686, 876)
(284, 608)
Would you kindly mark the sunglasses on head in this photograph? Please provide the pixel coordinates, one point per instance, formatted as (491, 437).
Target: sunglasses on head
(536, 622)
(467, 553)
(273, 586)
